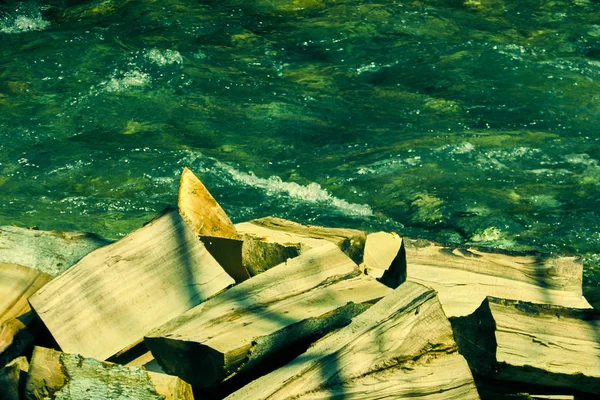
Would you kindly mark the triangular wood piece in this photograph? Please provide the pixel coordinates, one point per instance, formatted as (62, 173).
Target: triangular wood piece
(401, 348)
(200, 210)
(265, 317)
(385, 258)
(17, 283)
(463, 277)
(117, 293)
(53, 374)
(210, 223)
(532, 343)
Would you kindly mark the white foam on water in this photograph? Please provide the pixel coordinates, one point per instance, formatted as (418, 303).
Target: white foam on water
(25, 19)
(123, 81)
(460, 148)
(165, 57)
(313, 193)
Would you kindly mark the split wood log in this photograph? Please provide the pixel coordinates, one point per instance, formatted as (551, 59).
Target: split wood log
(15, 339)
(464, 277)
(12, 378)
(270, 241)
(400, 348)
(17, 283)
(116, 294)
(210, 223)
(532, 343)
(51, 252)
(53, 374)
(385, 258)
(266, 317)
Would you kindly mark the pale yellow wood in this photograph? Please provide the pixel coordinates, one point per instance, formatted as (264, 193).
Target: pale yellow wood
(464, 277)
(210, 223)
(14, 340)
(385, 258)
(200, 210)
(17, 283)
(252, 321)
(532, 343)
(270, 241)
(401, 348)
(53, 374)
(117, 293)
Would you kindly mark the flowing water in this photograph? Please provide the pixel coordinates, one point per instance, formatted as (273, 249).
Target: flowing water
(467, 122)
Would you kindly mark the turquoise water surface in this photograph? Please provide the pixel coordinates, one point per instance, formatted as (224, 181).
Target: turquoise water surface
(467, 122)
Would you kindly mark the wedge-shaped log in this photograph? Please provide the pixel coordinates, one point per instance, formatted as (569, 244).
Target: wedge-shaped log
(270, 241)
(400, 348)
(51, 252)
(262, 317)
(385, 258)
(116, 294)
(53, 374)
(17, 283)
(210, 223)
(532, 343)
(464, 277)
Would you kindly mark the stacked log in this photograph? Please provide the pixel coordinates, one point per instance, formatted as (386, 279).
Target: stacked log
(274, 309)
(293, 303)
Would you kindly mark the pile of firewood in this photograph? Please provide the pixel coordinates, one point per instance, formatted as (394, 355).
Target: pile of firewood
(193, 305)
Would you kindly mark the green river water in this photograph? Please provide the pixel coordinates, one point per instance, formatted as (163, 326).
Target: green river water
(466, 122)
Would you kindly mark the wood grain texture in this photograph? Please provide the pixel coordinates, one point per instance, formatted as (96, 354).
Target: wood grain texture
(270, 241)
(401, 348)
(464, 277)
(17, 283)
(53, 374)
(532, 343)
(117, 293)
(200, 210)
(304, 298)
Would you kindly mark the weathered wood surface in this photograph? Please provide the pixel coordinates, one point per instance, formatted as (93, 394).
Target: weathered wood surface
(464, 277)
(270, 241)
(17, 283)
(401, 348)
(210, 223)
(532, 343)
(385, 258)
(53, 374)
(11, 377)
(117, 293)
(51, 252)
(239, 329)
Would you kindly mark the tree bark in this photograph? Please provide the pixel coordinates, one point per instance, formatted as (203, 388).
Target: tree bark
(53, 374)
(270, 241)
